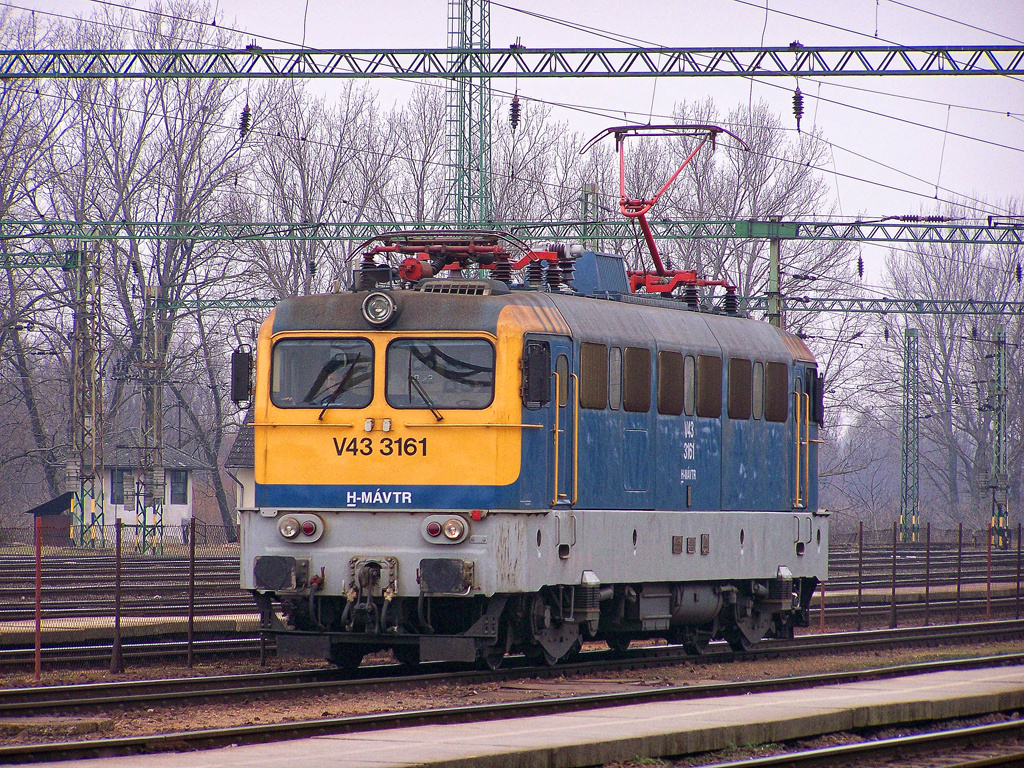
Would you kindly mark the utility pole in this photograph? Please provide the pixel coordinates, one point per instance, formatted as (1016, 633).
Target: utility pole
(998, 479)
(468, 115)
(84, 474)
(150, 500)
(588, 214)
(909, 446)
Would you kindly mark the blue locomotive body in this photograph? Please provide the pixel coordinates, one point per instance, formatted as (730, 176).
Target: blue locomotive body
(493, 469)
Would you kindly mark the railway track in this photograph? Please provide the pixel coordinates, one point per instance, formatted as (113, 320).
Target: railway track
(63, 698)
(980, 746)
(841, 609)
(364, 723)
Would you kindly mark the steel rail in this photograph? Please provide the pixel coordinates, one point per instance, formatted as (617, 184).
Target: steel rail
(903, 748)
(380, 721)
(56, 698)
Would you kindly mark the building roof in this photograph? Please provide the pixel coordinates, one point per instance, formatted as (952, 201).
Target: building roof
(243, 452)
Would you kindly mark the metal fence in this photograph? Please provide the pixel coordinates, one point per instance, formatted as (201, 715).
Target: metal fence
(130, 587)
(128, 584)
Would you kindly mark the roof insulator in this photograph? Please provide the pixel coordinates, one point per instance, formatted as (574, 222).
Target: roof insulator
(514, 112)
(798, 107)
(244, 121)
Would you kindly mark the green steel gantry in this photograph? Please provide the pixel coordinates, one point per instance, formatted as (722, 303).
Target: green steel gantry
(516, 62)
(583, 230)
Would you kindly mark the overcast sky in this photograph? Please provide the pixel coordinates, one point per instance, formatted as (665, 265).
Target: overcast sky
(891, 144)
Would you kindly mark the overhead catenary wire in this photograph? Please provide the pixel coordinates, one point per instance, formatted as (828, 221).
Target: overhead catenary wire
(589, 30)
(568, 106)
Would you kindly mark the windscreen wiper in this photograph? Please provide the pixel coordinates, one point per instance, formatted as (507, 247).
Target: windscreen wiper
(414, 380)
(340, 388)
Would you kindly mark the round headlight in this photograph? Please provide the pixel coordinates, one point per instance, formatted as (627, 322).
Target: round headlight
(454, 528)
(289, 527)
(380, 309)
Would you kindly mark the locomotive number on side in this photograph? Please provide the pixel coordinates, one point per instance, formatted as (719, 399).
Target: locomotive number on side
(385, 446)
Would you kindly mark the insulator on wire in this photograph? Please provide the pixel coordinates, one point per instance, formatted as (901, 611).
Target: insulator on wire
(514, 112)
(798, 107)
(1020, 274)
(244, 121)
(860, 267)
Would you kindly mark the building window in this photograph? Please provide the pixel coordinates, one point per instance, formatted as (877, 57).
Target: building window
(178, 479)
(118, 478)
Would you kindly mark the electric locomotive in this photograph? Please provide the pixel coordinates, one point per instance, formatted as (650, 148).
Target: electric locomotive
(455, 465)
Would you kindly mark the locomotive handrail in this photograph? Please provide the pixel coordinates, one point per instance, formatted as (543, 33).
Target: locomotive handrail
(796, 469)
(555, 431)
(297, 424)
(807, 448)
(575, 439)
(478, 424)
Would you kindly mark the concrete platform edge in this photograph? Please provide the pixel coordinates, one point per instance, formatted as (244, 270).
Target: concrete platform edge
(682, 743)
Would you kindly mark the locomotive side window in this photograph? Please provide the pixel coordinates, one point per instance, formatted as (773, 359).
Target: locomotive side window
(322, 373)
(740, 378)
(709, 386)
(776, 392)
(689, 385)
(440, 373)
(758, 391)
(670, 383)
(615, 379)
(562, 369)
(637, 389)
(593, 376)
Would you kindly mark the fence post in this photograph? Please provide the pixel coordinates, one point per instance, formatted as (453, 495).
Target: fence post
(860, 571)
(39, 597)
(988, 576)
(959, 566)
(116, 659)
(927, 569)
(191, 588)
(1018, 568)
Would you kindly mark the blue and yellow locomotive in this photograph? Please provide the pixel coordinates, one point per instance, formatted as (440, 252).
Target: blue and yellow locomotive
(455, 465)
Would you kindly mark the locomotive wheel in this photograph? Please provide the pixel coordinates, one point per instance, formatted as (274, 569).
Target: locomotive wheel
(694, 639)
(737, 640)
(618, 643)
(558, 640)
(491, 656)
(346, 656)
(407, 655)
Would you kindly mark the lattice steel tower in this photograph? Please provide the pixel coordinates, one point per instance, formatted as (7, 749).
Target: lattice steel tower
(999, 478)
(468, 116)
(150, 499)
(910, 445)
(85, 464)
